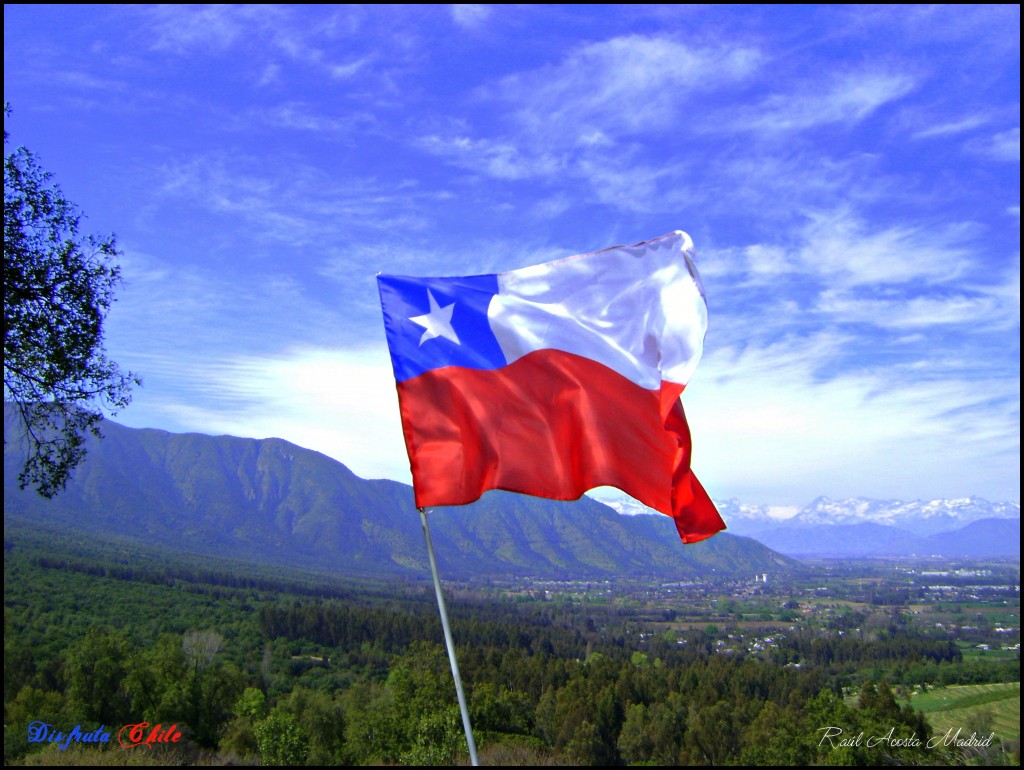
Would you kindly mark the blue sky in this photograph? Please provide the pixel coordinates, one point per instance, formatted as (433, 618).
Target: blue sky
(850, 177)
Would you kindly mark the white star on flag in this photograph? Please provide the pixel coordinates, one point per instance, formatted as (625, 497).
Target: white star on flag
(438, 322)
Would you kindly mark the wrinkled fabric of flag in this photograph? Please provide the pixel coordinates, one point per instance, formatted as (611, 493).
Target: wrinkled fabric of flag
(554, 379)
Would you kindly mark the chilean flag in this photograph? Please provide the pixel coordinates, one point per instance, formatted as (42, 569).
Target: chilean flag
(554, 379)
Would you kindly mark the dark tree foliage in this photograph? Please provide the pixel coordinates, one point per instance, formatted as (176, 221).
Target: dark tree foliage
(58, 287)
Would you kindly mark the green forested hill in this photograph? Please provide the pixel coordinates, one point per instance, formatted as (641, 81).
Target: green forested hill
(276, 502)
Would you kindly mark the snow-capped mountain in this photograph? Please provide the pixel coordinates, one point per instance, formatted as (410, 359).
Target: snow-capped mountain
(919, 517)
(733, 511)
(860, 525)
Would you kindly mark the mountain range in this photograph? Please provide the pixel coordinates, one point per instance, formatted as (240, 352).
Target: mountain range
(272, 501)
(859, 527)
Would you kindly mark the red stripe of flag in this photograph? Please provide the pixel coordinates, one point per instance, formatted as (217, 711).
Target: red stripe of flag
(552, 424)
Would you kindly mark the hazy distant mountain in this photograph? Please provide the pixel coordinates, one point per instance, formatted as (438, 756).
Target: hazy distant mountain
(983, 538)
(838, 540)
(987, 538)
(273, 501)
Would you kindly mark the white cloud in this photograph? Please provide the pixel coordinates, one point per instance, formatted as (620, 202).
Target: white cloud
(411, 256)
(470, 16)
(765, 262)
(837, 252)
(303, 117)
(569, 119)
(915, 312)
(841, 249)
(291, 34)
(349, 69)
(631, 185)
(339, 402)
(766, 423)
(625, 85)
(612, 177)
(89, 82)
(778, 188)
(847, 98)
(585, 121)
(719, 263)
(1004, 146)
(295, 203)
(990, 29)
(271, 75)
(501, 159)
(951, 128)
(212, 27)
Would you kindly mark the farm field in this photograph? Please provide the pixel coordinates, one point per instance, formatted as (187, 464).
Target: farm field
(974, 707)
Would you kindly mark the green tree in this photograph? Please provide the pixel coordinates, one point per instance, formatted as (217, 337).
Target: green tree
(96, 668)
(178, 680)
(251, 703)
(375, 732)
(58, 288)
(634, 743)
(157, 681)
(322, 720)
(238, 737)
(496, 709)
(30, 705)
(281, 739)
(654, 734)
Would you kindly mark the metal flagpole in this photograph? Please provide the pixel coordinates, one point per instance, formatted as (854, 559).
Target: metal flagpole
(449, 643)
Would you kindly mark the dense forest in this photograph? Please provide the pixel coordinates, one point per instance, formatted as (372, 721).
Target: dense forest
(252, 665)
